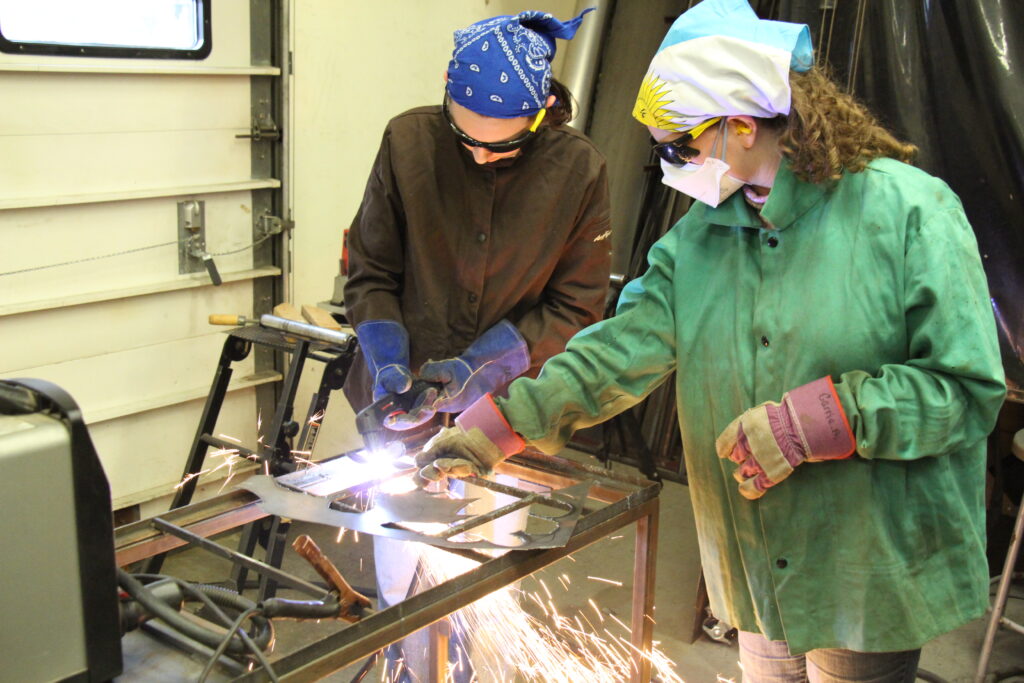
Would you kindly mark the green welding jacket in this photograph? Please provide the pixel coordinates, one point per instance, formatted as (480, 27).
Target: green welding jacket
(875, 281)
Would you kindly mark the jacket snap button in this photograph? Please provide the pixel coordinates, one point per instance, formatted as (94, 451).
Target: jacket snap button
(781, 563)
(773, 242)
(481, 237)
(472, 298)
(764, 341)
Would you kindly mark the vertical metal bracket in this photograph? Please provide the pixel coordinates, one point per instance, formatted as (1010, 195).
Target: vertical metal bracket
(191, 235)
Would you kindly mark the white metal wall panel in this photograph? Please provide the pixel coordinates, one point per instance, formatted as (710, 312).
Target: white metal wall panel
(50, 235)
(132, 380)
(94, 156)
(104, 162)
(120, 103)
(119, 325)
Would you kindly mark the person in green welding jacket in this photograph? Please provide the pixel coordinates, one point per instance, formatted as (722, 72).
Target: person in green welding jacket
(824, 308)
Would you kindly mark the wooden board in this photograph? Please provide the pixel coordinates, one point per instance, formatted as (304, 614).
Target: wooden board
(289, 312)
(319, 317)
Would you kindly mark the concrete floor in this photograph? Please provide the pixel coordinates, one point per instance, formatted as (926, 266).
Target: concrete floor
(952, 657)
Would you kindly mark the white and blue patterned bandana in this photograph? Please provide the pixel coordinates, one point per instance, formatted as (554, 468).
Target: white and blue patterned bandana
(720, 59)
(501, 67)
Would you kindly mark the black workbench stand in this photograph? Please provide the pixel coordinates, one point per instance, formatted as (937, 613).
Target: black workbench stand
(275, 451)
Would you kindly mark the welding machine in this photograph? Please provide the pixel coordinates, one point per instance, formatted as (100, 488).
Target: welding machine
(58, 577)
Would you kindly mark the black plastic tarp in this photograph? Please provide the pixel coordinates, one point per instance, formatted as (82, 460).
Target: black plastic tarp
(948, 76)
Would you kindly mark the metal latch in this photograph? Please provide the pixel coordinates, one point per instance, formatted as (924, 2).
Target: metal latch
(268, 224)
(263, 129)
(192, 254)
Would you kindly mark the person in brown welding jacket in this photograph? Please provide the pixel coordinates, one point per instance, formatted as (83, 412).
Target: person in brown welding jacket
(480, 246)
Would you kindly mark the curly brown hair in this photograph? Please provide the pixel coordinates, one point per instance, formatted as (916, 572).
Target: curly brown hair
(828, 131)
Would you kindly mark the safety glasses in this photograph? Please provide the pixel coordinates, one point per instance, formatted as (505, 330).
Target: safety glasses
(496, 147)
(678, 152)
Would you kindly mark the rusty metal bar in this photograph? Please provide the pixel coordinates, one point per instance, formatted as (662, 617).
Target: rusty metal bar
(557, 473)
(512, 491)
(480, 520)
(140, 540)
(371, 634)
(440, 636)
(218, 514)
(644, 561)
(573, 468)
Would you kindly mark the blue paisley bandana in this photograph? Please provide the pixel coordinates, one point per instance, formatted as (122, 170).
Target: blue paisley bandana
(501, 67)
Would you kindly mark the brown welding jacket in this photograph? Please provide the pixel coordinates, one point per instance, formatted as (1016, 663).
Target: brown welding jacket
(449, 247)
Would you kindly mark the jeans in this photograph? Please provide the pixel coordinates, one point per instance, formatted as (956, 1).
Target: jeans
(769, 661)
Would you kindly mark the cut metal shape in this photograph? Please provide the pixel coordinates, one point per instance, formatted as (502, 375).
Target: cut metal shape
(390, 513)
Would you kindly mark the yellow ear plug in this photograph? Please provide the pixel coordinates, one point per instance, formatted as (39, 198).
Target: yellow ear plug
(743, 129)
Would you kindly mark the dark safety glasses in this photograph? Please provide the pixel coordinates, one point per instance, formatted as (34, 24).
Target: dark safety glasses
(496, 147)
(678, 152)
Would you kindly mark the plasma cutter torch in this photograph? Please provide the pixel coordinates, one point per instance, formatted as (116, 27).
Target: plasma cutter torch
(370, 420)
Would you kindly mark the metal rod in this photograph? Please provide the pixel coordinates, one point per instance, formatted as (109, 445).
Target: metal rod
(644, 561)
(600, 492)
(306, 330)
(1001, 594)
(239, 558)
(480, 520)
(1012, 625)
(486, 483)
(226, 445)
(439, 636)
(483, 482)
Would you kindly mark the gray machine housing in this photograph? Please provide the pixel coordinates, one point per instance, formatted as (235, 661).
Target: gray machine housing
(58, 577)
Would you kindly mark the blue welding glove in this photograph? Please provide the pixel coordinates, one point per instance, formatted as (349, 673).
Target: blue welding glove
(492, 361)
(385, 346)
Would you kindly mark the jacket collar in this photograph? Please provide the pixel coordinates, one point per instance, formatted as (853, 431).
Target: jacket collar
(789, 199)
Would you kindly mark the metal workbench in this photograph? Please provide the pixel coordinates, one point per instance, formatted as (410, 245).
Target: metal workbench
(614, 502)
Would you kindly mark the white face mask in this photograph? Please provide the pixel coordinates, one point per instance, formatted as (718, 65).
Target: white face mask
(708, 182)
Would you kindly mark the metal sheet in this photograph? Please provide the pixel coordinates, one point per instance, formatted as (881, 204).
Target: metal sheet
(387, 514)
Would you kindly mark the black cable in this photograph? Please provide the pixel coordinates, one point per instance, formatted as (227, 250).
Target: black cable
(262, 629)
(930, 677)
(237, 641)
(232, 630)
(203, 593)
(257, 649)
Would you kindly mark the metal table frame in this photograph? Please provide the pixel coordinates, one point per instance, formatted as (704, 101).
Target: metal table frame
(627, 500)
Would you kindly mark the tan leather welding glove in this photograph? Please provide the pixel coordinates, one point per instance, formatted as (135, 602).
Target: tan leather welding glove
(480, 439)
(457, 453)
